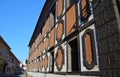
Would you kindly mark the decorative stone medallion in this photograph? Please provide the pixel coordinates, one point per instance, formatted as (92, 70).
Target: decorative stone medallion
(59, 58)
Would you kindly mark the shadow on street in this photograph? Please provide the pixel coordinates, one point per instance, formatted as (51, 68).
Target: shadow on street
(16, 75)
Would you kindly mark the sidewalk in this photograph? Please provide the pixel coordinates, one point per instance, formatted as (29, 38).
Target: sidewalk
(27, 75)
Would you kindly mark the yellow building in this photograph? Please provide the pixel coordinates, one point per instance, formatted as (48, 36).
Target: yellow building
(4, 49)
(9, 64)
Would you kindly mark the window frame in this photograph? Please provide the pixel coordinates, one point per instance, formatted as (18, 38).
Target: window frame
(69, 3)
(87, 8)
(53, 16)
(118, 5)
(93, 51)
(89, 17)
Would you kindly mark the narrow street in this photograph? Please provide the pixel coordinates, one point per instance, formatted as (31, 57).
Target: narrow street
(21, 75)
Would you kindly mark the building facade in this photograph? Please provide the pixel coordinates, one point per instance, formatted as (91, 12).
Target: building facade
(4, 53)
(9, 64)
(13, 66)
(76, 37)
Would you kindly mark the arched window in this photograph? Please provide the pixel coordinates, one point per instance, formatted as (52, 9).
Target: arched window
(85, 11)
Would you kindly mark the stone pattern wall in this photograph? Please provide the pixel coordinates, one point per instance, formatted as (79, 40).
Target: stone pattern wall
(108, 36)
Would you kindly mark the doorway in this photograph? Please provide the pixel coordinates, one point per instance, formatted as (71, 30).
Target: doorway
(74, 55)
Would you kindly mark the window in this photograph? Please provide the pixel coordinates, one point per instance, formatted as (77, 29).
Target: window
(53, 16)
(85, 11)
(12, 60)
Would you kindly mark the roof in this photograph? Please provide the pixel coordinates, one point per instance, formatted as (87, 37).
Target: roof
(8, 48)
(41, 21)
(4, 42)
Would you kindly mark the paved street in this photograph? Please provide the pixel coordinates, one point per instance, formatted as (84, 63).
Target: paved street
(21, 75)
(17, 75)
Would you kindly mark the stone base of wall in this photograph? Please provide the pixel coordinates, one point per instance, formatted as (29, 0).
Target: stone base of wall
(35, 74)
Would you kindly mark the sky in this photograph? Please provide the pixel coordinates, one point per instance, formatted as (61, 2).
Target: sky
(18, 19)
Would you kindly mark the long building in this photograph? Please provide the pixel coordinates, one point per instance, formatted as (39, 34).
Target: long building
(79, 38)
